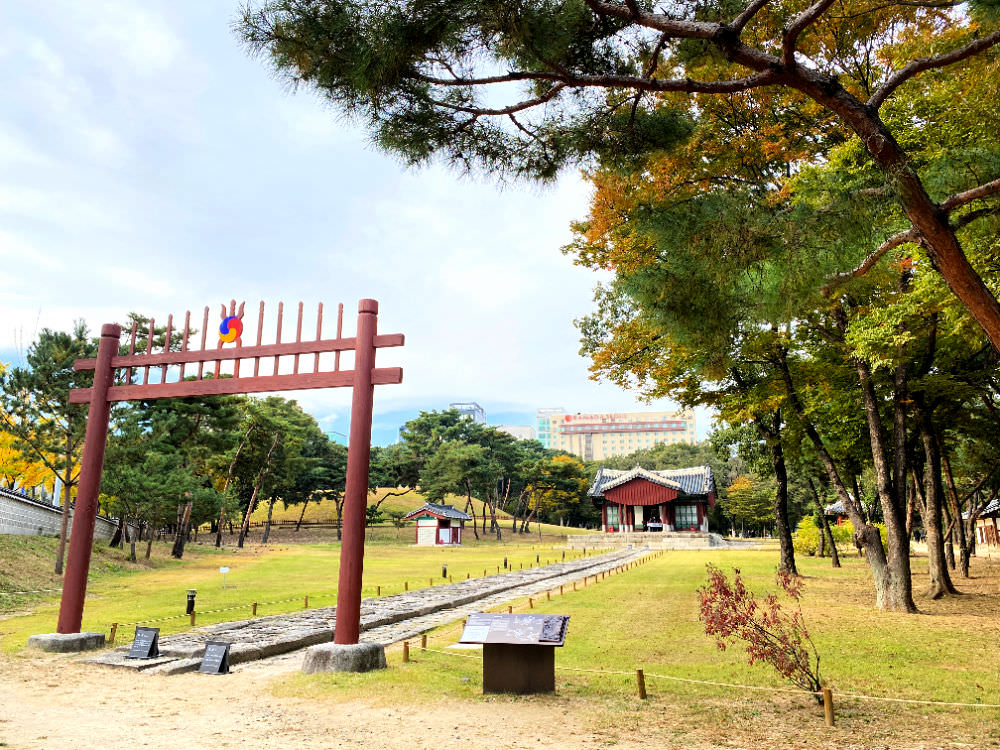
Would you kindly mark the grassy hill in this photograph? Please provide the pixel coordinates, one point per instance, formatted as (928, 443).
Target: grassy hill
(326, 511)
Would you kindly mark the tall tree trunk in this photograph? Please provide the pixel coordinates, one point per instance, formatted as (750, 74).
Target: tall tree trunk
(787, 564)
(131, 542)
(940, 580)
(267, 526)
(865, 535)
(888, 475)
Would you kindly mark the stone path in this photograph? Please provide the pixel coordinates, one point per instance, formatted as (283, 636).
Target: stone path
(384, 620)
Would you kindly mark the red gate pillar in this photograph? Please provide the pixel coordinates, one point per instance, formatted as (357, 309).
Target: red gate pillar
(85, 514)
(352, 550)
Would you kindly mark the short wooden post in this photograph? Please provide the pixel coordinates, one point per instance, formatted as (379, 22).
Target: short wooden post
(450, 579)
(484, 571)
(254, 609)
(531, 603)
(406, 585)
(574, 585)
(430, 581)
(548, 596)
(640, 678)
(406, 651)
(467, 576)
(192, 617)
(828, 706)
(114, 630)
(510, 610)
(560, 589)
(378, 591)
(305, 602)
(423, 641)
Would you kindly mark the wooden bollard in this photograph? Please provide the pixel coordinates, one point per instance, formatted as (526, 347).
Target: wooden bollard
(510, 610)
(114, 630)
(531, 603)
(828, 706)
(430, 581)
(254, 609)
(406, 651)
(548, 596)
(423, 641)
(467, 576)
(305, 602)
(484, 571)
(193, 617)
(574, 585)
(450, 579)
(406, 585)
(640, 678)
(378, 591)
(560, 589)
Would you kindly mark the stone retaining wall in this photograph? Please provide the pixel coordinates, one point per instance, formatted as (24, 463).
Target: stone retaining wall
(22, 515)
(652, 540)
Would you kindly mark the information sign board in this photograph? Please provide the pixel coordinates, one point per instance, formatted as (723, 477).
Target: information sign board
(526, 630)
(146, 644)
(216, 658)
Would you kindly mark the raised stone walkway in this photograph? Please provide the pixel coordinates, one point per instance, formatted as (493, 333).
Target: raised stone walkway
(384, 620)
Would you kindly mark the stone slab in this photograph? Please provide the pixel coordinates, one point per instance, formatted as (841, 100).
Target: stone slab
(117, 659)
(336, 657)
(178, 666)
(65, 643)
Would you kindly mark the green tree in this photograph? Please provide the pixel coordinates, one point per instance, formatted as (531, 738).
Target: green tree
(35, 407)
(524, 88)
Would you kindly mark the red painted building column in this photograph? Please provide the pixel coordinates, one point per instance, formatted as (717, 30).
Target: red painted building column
(81, 539)
(352, 550)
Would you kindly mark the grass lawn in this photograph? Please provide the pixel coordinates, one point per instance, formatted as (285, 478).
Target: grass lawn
(278, 577)
(648, 618)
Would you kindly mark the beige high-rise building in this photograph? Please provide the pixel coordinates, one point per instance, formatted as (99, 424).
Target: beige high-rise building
(596, 436)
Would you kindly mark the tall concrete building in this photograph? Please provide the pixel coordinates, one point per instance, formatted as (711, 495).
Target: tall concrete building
(596, 436)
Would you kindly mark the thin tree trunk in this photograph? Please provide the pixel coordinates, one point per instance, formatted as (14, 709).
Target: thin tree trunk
(302, 514)
(67, 497)
(783, 528)
(825, 531)
(470, 508)
(267, 526)
(964, 548)
(225, 488)
(256, 489)
(182, 530)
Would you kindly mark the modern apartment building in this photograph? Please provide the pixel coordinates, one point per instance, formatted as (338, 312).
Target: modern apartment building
(596, 436)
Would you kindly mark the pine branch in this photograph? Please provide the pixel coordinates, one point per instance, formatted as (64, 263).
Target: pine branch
(921, 64)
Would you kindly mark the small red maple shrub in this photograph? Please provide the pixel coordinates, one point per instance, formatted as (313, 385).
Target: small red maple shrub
(772, 635)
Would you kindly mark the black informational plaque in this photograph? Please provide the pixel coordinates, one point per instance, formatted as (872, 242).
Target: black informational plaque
(540, 630)
(216, 658)
(146, 644)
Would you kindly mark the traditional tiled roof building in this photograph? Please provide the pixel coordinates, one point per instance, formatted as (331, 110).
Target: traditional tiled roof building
(645, 500)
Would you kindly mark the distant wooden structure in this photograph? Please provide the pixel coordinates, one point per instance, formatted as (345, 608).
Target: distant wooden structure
(987, 530)
(438, 524)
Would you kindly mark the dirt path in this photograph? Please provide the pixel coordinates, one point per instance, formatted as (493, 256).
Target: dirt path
(51, 701)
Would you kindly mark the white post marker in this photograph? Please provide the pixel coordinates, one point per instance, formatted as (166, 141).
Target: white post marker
(223, 570)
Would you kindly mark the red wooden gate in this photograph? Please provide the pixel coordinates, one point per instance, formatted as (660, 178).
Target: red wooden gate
(113, 381)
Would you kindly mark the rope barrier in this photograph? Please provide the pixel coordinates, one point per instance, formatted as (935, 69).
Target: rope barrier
(26, 593)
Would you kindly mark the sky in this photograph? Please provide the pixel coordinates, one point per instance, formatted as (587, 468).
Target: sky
(149, 164)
